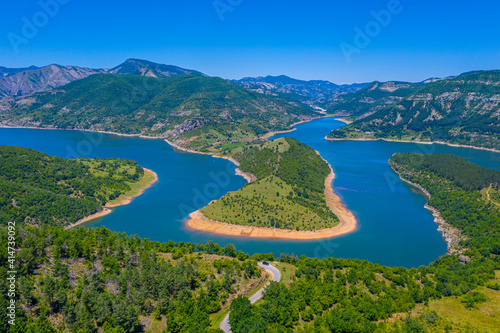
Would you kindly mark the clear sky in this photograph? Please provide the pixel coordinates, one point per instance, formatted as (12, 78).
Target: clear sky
(236, 38)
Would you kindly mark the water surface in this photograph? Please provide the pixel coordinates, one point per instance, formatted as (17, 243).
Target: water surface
(394, 228)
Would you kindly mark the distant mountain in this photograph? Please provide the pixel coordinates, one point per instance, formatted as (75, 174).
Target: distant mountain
(314, 93)
(193, 110)
(462, 110)
(4, 71)
(148, 68)
(53, 76)
(41, 79)
(373, 98)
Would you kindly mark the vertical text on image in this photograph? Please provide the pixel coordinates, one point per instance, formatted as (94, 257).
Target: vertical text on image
(11, 272)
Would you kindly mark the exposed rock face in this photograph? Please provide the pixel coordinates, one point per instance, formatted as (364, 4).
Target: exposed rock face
(188, 125)
(464, 259)
(24, 81)
(464, 110)
(42, 79)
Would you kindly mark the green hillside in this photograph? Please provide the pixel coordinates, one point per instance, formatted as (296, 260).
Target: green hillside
(462, 110)
(192, 110)
(372, 98)
(288, 192)
(39, 189)
(96, 280)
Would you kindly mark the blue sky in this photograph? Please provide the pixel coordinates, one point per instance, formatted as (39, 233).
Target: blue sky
(417, 40)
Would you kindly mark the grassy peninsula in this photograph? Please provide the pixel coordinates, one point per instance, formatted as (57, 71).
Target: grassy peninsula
(36, 188)
(288, 193)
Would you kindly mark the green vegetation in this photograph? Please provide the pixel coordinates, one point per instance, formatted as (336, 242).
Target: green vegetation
(95, 280)
(41, 189)
(192, 110)
(288, 192)
(455, 186)
(372, 98)
(85, 280)
(462, 110)
(483, 315)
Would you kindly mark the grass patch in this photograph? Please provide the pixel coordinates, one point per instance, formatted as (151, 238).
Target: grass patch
(265, 204)
(485, 317)
(287, 272)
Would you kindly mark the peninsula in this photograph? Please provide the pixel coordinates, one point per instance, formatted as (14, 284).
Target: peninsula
(39, 189)
(291, 197)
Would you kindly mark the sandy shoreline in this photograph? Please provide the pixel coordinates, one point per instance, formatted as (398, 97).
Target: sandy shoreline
(248, 176)
(347, 224)
(82, 130)
(343, 120)
(121, 201)
(270, 134)
(418, 142)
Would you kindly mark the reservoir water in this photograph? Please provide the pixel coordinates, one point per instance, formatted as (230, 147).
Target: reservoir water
(394, 228)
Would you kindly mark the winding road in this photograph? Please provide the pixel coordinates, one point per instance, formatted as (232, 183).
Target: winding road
(224, 325)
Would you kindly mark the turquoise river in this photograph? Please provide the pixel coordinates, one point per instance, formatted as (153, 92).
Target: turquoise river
(394, 227)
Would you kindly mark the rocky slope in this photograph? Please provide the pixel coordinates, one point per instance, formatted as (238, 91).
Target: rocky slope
(372, 98)
(314, 93)
(462, 110)
(41, 79)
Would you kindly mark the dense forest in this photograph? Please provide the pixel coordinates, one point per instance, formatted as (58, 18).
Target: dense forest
(288, 192)
(90, 280)
(95, 280)
(39, 189)
(461, 110)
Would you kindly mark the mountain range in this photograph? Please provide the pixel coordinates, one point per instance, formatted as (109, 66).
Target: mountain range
(372, 98)
(192, 110)
(19, 81)
(4, 71)
(460, 110)
(316, 93)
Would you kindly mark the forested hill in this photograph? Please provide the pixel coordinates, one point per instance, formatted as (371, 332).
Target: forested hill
(463, 110)
(372, 98)
(192, 110)
(96, 280)
(467, 195)
(288, 192)
(47, 190)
